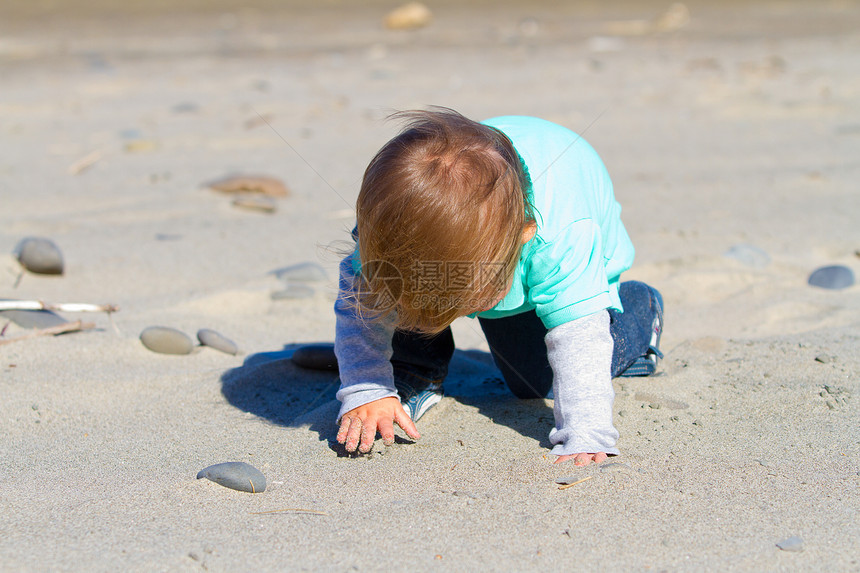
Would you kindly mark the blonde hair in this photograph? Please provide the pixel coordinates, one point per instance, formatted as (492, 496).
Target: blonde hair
(446, 196)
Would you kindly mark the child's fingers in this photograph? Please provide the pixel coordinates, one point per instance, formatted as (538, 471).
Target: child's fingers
(352, 434)
(404, 421)
(342, 430)
(368, 435)
(386, 430)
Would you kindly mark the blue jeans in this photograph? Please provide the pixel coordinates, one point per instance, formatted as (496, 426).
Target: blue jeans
(518, 347)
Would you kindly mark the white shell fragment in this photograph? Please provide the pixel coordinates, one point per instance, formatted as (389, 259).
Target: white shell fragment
(217, 341)
(235, 475)
(263, 204)
(40, 255)
(166, 340)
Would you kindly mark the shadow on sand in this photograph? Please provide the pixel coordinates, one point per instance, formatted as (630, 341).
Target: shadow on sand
(271, 386)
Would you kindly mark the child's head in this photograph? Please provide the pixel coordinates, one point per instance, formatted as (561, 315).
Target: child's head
(441, 215)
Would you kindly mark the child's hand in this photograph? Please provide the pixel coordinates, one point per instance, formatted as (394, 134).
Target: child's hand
(582, 459)
(358, 427)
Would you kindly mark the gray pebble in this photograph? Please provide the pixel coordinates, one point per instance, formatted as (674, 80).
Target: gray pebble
(793, 543)
(832, 277)
(302, 272)
(40, 255)
(235, 475)
(293, 291)
(166, 340)
(568, 479)
(749, 255)
(33, 318)
(615, 467)
(316, 357)
(217, 341)
(185, 107)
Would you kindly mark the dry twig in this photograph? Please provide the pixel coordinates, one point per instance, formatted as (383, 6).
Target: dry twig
(290, 509)
(567, 485)
(59, 329)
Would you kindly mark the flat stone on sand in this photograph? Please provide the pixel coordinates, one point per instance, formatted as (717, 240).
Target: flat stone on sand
(40, 255)
(749, 255)
(832, 277)
(408, 16)
(250, 184)
(217, 341)
(235, 475)
(316, 357)
(793, 543)
(166, 340)
(615, 467)
(293, 291)
(301, 272)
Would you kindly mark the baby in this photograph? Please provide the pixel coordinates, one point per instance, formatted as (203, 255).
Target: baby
(511, 220)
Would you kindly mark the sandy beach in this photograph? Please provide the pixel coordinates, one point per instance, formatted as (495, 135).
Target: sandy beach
(731, 132)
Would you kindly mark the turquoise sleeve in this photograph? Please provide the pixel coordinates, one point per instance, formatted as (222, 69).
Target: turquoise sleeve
(567, 277)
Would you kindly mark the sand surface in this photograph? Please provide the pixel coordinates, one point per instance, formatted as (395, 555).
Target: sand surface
(738, 127)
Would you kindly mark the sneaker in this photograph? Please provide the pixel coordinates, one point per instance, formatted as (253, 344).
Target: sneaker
(647, 365)
(416, 402)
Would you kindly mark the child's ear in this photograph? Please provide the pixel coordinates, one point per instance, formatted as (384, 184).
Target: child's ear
(529, 232)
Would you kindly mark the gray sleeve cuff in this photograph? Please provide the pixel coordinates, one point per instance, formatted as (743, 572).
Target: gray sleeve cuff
(580, 354)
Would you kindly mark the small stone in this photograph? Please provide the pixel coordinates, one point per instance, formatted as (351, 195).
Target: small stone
(301, 272)
(185, 107)
(166, 340)
(614, 467)
(749, 255)
(566, 480)
(824, 358)
(832, 277)
(235, 475)
(316, 357)
(39, 255)
(409, 16)
(263, 204)
(292, 291)
(793, 543)
(217, 341)
(250, 184)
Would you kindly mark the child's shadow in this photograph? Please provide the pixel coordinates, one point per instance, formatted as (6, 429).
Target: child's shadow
(271, 386)
(473, 379)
